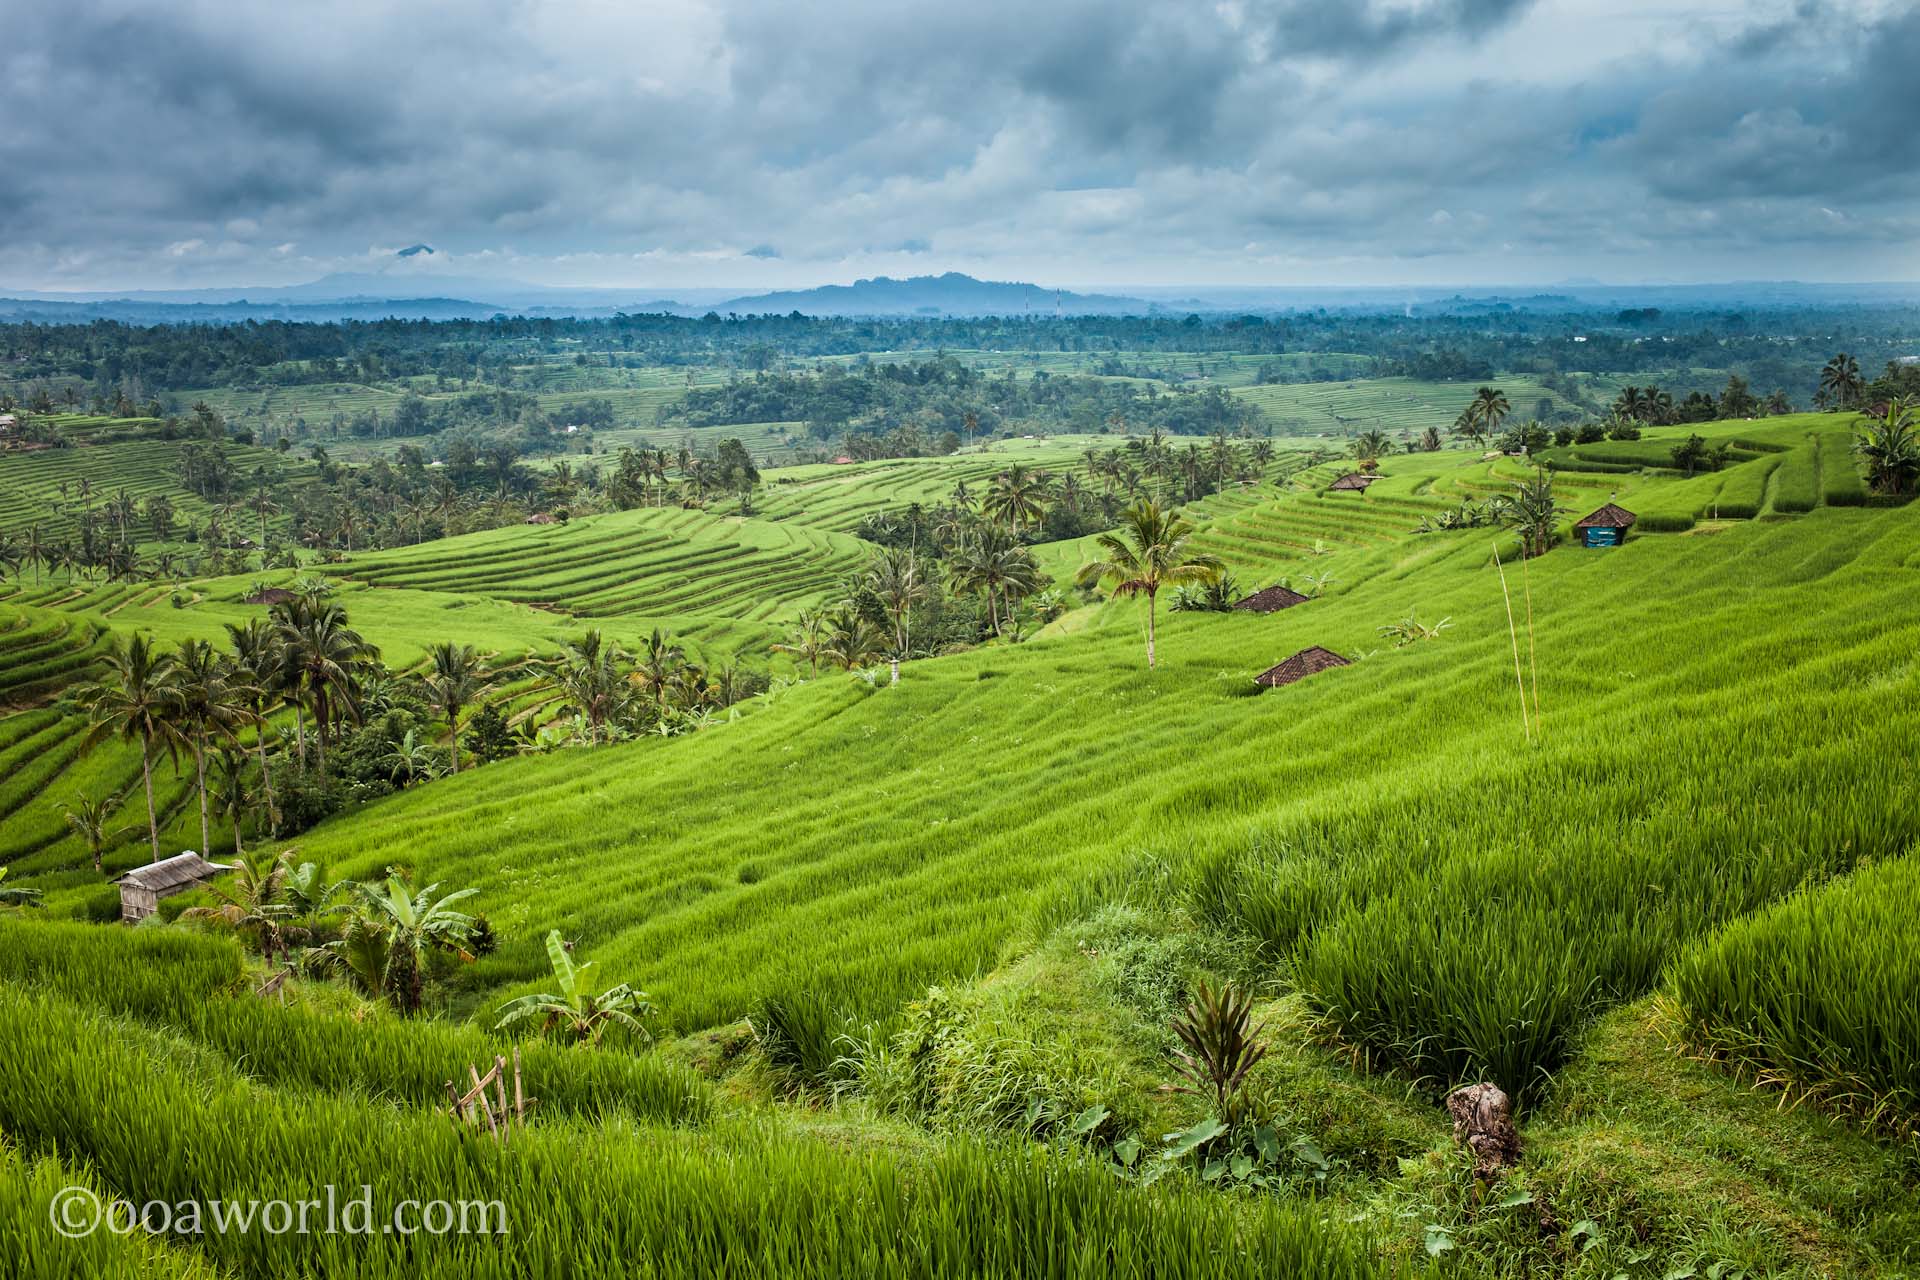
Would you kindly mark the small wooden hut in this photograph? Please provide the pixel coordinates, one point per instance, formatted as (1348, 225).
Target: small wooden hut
(271, 595)
(1353, 481)
(1300, 666)
(1606, 527)
(142, 888)
(543, 517)
(1271, 600)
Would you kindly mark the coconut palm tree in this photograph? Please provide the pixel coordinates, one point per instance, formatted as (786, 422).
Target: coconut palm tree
(1840, 381)
(588, 675)
(1890, 448)
(894, 576)
(88, 819)
(1489, 408)
(807, 640)
(457, 678)
(574, 1010)
(653, 671)
(232, 792)
(851, 640)
(138, 700)
(1150, 552)
(1369, 445)
(209, 707)
(1017, 496)
(993, 564)
(325, 659)
(258, 665)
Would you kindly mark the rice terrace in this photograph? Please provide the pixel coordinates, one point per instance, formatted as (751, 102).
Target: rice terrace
(646, 706)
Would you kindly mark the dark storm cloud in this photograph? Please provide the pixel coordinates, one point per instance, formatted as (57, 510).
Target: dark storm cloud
(212, 140)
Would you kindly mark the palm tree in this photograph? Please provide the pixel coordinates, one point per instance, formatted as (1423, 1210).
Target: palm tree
(1017, 496)
(1840, 381)
(582, 1016)
(994, 564)
(138, 700)
(457, 678)
(88, 819)
(1890, 448)
(588, 676)
(259, 663)
(1489, 407)
(1369, 445)
(808, 639)
(34, 549)
(1533, 513)
(250, 902)
(209, 706)
(325, 658)
(1148, 553)
(851, 640)
(653, 672)
(895, 577)
(232, 796)
(263, 506)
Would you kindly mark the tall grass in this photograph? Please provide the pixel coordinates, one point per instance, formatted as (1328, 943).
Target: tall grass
(192, 984)
(1818, 993)
(159, 1124)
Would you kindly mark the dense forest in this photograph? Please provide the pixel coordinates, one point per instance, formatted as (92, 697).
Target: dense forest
(1779, 347)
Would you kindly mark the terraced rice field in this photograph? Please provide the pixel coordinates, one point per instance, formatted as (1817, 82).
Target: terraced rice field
(654, 563)
(1393, 405)
(42, 487)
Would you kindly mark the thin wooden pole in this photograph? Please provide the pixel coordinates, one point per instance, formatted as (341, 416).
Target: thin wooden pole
(519, 1098)
(1526, 729)
(500, 1093)
(480, 1095)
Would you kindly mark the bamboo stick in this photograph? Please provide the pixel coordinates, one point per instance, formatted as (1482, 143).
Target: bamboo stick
(1525, 728)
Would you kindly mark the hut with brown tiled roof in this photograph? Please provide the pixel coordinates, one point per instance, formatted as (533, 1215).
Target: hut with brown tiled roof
(1300, 666)
(1271, 600)
(1355, 481)
(142, 888)
(1606, 527)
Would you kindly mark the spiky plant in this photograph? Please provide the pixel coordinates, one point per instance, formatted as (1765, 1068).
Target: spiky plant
(1222, 1048)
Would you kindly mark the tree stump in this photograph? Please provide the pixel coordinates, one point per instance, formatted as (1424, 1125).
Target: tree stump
(1483, 1123)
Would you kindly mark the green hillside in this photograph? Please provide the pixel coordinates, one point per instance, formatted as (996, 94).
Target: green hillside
(911, 952)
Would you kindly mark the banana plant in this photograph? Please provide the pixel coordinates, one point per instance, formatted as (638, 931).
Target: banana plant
(573, 1011)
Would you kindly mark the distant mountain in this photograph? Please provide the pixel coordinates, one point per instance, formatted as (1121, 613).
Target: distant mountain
(952, 294)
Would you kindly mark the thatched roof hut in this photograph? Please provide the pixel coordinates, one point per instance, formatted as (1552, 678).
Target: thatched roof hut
(543, 517)
(1606, 527)
(1271, 600)
(142, 888)
(1355, 481)
(1300, 666)
(270, 595)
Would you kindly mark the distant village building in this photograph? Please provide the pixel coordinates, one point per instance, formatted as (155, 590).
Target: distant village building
(1606, 527)
(1307, 662)
(142, 888)
(1271, 600)
(1353, 481)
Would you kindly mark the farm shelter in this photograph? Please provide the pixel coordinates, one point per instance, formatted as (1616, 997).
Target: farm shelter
(542, 517)
(1354, 481)
(1271, 600)
(1300, 666)
(1606, 527)
(142, 888)
(271, 595)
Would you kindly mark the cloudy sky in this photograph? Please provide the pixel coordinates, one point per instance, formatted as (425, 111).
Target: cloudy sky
(1074, 142)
